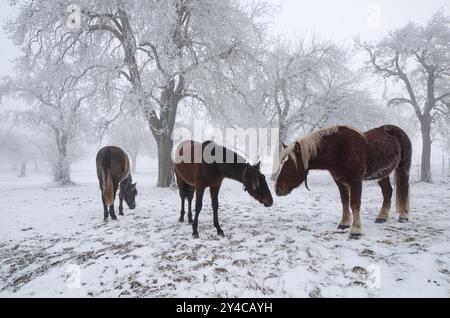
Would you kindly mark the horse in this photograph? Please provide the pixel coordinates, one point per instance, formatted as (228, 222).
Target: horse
(207, 164)
(352, 157)
(113, 171)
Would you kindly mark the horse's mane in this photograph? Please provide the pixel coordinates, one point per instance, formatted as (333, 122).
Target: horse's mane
(311, 143)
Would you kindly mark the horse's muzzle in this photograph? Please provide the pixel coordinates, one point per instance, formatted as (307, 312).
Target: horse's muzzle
(281, 192)
(268, 203)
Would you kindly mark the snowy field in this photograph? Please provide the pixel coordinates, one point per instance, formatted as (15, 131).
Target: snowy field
(53, 242)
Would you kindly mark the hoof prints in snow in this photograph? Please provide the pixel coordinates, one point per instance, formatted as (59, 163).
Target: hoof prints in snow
(289, 250)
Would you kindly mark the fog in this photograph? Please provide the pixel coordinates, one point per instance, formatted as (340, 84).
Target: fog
(305, 119)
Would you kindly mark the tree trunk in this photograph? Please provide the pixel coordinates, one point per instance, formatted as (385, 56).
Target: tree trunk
(165, 163)
(61, 171)
(164, 145)
(282, 136)
(162, 130)
(425, 171)
(61, 168)
(23, 170)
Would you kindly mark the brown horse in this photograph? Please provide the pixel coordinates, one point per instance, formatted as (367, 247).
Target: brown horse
(351, 157)
(113, 170)
(202, 165)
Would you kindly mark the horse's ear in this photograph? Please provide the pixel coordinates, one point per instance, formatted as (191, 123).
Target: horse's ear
(298, 148)
(134, 185)
(258, 165)
(284, 146)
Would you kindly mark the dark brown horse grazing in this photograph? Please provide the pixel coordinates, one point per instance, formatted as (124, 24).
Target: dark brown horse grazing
(113, 170)
(352, 157)
(202, 165)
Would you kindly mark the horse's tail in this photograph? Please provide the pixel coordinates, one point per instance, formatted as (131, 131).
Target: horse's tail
(402, 171)
(107, 182)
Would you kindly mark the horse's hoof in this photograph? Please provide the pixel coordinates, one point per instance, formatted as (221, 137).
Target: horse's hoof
(343, 227)
(191, 221)
(380, 220)
(121, 214)
(355, 236)
(113, 217)
(195, 235)
(220, 233)
(403, 220)
(181, 220)
(105, 220)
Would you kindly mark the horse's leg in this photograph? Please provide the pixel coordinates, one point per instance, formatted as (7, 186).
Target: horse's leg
(121, 197)
(190, 196)
(112, 213)
(402, 189)
(215, 205)
(355, 202)
(182, 196)
(105, 210)
(386, 189)
(182, 191)
(345, 199)
(198, 207)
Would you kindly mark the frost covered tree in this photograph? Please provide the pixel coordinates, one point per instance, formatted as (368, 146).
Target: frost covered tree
(161, 50)
(417, 59)
(17, 148)
(307, 86)
(56, 99)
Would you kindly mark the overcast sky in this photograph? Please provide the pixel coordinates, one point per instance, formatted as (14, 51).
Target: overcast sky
(339, 20)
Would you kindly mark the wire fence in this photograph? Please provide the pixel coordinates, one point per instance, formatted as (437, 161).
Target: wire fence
(438, 171)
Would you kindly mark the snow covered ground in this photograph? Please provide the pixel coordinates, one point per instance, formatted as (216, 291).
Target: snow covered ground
(53, 242)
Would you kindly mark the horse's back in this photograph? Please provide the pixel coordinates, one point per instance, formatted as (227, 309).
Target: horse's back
(384, 151)
(190, 164)
(115, 161)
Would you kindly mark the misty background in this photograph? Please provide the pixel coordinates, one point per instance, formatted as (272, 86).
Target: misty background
(322, 22)
(79, 75)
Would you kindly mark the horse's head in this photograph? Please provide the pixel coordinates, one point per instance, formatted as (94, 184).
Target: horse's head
(255, 184)
(292, 172)
(130, 195)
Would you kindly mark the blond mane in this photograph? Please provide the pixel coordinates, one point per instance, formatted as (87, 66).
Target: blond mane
(311, 143)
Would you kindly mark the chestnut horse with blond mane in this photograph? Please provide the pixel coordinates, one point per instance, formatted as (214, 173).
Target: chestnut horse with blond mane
(352, 157)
